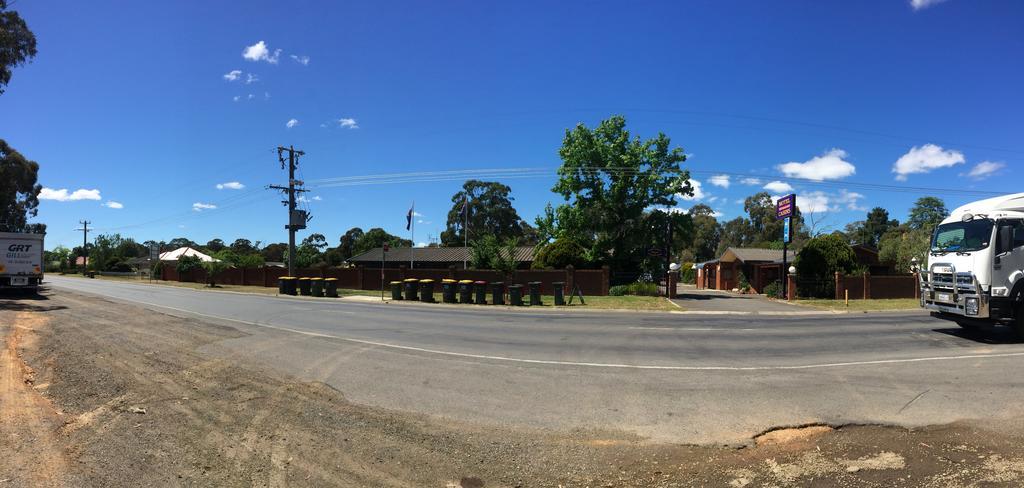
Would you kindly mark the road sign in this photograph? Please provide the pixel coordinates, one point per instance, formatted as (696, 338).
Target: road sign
(785, 206)
(387, 248)
(654, 252)
(154, 252)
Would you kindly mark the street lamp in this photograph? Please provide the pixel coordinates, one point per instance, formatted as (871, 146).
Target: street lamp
(673, 267)
(792, 270)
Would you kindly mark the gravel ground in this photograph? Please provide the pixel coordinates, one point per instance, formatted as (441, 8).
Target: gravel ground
(107, 394)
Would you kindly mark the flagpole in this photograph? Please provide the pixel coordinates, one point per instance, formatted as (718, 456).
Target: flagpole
(412, 235)
(465, 231)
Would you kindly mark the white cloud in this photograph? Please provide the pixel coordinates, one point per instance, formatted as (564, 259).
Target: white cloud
(231, 185)
(347, 123)
(317, 198)
(304, 198)
(266, 95)
(985, 169)
(236, 98)
(778, 187)
(829, 166)
(416, 214)
(720, 180)
(200, 206)
(251, 96)
(814, 202)
(251, 78)
(291, 123)
(851, 200)
(260, 52)
(421, 244)
(712, 199)
(62, 195)
(303, 60)
(113, 204)
(698, 191)
(751, 181)
(923, 4)
(233, 75)
(925, 159)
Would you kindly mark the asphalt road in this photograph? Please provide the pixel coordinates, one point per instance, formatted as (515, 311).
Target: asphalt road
(668, 377)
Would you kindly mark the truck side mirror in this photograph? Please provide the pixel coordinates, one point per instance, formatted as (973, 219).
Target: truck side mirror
(1005, 239)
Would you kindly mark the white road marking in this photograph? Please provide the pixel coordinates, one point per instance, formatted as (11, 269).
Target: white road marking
(591, 364)
(691, 329)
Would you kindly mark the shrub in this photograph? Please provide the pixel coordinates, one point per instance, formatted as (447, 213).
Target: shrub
(188, 263)
(817, 263)
(640, 288)
(687, 274)
(561, 253)
(774, 289)
(117, 265)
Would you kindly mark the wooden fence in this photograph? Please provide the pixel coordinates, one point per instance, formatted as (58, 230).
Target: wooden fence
(867, 286)
(590, 281)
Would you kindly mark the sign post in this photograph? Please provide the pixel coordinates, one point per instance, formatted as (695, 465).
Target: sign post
(154, 255)
(383, 259)
(784, 209)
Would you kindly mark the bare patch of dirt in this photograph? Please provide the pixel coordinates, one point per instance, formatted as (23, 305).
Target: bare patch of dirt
(131, 401)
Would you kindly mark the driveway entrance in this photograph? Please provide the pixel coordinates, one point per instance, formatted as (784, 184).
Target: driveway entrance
(691, 298)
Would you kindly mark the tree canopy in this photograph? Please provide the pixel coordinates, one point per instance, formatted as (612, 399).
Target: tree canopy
(927, 213)
(609, 179)
(869, 231)
(17, 43)
(490, 211)
(19, 192)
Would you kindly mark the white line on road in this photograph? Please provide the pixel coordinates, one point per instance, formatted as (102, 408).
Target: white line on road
(596, 365)
(691, 329)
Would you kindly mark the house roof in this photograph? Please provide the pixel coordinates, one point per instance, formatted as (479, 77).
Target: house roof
(432, 254)
(185, 251)
(755, 254)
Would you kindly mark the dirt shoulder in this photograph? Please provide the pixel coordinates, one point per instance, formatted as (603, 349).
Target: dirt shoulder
(115, 395)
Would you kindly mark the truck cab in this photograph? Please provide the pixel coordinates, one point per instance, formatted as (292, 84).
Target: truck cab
(975, 269)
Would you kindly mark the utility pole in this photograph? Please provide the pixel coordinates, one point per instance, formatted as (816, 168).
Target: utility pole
(296, 218)
(85, 244)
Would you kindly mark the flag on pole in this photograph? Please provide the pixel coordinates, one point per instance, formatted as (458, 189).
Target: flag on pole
(408, 217)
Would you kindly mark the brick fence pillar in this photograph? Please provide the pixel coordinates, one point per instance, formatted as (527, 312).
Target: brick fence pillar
(867, 285)
(790, 287)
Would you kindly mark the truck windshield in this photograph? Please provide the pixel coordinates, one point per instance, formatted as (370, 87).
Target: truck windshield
(962, 236)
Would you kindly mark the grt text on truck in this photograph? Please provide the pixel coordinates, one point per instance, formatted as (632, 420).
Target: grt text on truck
(975, 271)
(21, 261)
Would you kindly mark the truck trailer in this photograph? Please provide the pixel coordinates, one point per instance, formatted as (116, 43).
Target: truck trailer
(21, 261)
(975, 270)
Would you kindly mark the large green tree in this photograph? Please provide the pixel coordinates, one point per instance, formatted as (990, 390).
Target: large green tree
(869, 231)
(703, 242)
(377, 237)
(926, 213)
(347, 242)
(609, 179)
(17, 43)
(19, 192)
(489, 208)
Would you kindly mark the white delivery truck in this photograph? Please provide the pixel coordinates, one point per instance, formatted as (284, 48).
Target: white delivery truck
(975, 271)
(21, 261)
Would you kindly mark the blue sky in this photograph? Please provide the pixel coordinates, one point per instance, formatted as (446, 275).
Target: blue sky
(135, 104)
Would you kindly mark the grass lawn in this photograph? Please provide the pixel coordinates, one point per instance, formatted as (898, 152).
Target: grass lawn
(872, 305)
(638, 303)
(262, 290)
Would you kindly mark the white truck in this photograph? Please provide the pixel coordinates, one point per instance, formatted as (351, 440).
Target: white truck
(975, 271)
(21, 261)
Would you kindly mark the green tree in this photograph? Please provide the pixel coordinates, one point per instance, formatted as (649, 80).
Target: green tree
(484, 252)
(489, 208)
(505, 259)
(377, 237)
(347, 242)
(608, 180)
(737, 232)
(245, 246)
(19, 192)
(317, 241)
(819, 260)
(559, 254)
(869, 232)
(220, 263)
(927, 213)
(188, 263)
(274, 252)
(707, 233)
(17, 43)
(899, 247)
(59, 255)
(180, 242)
(215, 245)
